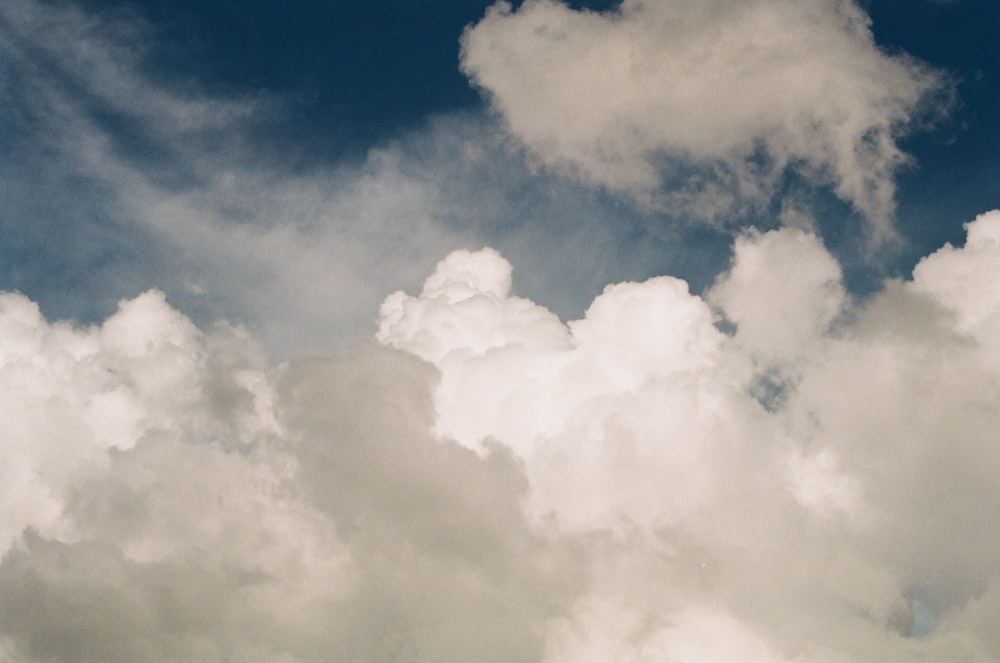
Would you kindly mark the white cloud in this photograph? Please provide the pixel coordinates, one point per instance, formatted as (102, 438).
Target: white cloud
(609, 488)
(696, 634)
(482, 481)
(947, 274)
(701, 106)
(782, 292)
(844, 522)
(72, 396)
(220, 510)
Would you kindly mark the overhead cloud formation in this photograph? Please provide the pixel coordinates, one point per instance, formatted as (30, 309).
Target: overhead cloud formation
(811, 481)
(152, 182)
(700, 107)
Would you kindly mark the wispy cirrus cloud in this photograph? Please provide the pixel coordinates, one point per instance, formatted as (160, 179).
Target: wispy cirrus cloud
(119, 180)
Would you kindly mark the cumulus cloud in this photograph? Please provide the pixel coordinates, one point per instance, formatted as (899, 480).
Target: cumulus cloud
(485, 482)
(782, 292)
(167, 498)
(701, 107)
(768, 471)
(843, 518)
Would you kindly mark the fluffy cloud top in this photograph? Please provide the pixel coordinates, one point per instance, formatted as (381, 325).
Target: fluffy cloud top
(165, 498)
(701, 106)
(487, 483)
(844, 518)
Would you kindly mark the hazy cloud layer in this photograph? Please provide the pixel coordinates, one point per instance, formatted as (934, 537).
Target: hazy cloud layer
(117, 178)
(701, 107)
(487, 483)
(179, 187)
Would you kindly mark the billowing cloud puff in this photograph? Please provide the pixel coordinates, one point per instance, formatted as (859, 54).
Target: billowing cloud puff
(701, 106)
(839, 515)
(166, 499)
(485, 482)
(782, 292)
(946, 276)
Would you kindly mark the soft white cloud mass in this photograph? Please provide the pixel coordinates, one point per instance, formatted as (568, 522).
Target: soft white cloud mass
(486, 483)
(767, 471)
(701, 106)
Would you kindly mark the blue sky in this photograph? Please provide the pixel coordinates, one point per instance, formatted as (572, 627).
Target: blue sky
(330, 82)
(544, 332)
(956, 165)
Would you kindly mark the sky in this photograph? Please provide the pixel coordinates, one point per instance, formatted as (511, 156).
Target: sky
(541, 332)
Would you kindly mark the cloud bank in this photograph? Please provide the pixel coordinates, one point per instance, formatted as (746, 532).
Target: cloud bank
(811, 481)
(701, 108)
(767, 471)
